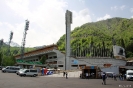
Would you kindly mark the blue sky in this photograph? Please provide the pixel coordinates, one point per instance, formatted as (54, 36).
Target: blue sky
(47, 17)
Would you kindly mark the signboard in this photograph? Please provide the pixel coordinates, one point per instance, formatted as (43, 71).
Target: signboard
(92, 67)
(74, 61)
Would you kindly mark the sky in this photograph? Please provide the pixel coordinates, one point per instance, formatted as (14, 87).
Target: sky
(47, 17)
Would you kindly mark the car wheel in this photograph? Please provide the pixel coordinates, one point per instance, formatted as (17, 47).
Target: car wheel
(34, 75)
(24, 75)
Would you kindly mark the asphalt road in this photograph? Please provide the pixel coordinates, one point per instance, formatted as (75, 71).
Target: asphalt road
(11, 80)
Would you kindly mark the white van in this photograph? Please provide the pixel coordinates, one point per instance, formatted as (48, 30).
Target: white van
(13, 69)
(129, 75)
(28, 72)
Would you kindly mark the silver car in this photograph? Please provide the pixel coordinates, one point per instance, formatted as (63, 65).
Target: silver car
(19, 71)
(10, 69)
(28, 72)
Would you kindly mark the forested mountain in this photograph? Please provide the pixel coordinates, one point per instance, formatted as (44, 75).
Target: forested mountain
(14, 50)
(99, 35)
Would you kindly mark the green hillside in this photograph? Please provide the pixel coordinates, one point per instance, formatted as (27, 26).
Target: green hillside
(14, 50)
(99, 35)
(7, 57)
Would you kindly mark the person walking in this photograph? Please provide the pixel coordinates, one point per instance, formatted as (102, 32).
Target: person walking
(104, 78)
(87, 75)
(66, 75)
(114, 75)
(120, 76)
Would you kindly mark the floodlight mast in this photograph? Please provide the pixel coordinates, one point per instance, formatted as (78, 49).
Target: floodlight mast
(10, 39)
(68, 17)
(1, 44)
(24, 39)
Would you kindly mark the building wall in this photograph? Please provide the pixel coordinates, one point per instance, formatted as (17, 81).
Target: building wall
(101, 61)
(75, 63)
(114, 69)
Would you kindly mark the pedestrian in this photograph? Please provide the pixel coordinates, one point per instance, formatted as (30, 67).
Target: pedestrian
(66, 75)
(104, 78)
(86, 75)
(114, 75)
(120, 76)
(123, 77)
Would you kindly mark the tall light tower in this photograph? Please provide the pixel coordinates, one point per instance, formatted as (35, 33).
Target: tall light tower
(11, 36)
(24, 37)
(68, 17)
(1, 43)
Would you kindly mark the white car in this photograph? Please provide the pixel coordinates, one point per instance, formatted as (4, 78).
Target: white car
(28, 72)
(129, 75)
(19, 71)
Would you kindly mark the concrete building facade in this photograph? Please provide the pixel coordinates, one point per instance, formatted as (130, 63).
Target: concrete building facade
(56, 58)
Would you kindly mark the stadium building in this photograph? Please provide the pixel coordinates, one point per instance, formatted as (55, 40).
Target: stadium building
(56, 58)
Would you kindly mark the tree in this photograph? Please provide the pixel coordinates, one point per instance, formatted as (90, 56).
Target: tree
(9, 61)
(0, 57)
(43, 59)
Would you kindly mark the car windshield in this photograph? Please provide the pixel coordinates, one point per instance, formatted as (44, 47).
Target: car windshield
(21, 69)
(24, 70)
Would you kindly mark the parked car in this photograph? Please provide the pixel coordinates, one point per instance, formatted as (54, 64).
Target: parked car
(19, 71)
(13, 69)
(28, 72)
(129, 75)
(1, 67)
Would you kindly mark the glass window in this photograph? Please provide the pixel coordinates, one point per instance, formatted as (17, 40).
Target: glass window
(11, 68)
(27, 71)
(33, 70)
(36, 59)
(55, 56)
(7, 68)
(130, 73)
(60, 65)
(50, 57)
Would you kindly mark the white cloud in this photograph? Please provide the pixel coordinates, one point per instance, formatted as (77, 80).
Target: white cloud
(17, 30)
(0, 23)
(131, 10)
(114, 8)
(118, 7)
(107, 16)
(82, 1)
(47, 21)
(131, 16)
(80, 18)
(122, 7)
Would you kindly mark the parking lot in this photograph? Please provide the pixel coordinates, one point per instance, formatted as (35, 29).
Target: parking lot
(11, 80)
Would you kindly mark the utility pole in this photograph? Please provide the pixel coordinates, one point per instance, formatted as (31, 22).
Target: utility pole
(68, 22)
(24, 39)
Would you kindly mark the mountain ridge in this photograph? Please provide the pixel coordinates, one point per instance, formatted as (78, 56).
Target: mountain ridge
(100, 33)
